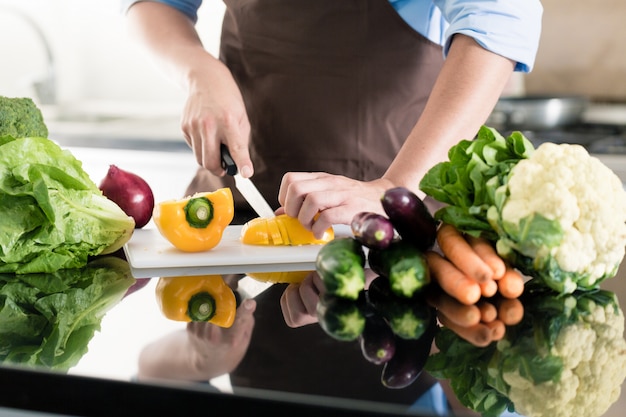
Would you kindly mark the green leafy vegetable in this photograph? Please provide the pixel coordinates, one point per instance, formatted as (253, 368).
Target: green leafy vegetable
(556, 213)
(48, 319)
(53, 215)
(567, 358)
(20, 118)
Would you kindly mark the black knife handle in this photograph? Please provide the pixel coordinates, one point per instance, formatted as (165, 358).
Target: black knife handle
(227, 161)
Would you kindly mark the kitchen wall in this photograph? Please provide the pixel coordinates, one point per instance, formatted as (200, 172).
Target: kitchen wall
(583, 50)
(93, 59)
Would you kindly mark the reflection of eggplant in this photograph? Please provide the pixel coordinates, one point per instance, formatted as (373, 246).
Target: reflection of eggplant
(409, 359)
(48, 320)
(378, 342)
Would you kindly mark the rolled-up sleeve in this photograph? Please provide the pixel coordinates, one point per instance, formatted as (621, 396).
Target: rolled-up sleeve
(188, 7)
(510, 28)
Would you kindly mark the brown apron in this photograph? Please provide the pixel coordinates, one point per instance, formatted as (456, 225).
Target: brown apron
(332, 86)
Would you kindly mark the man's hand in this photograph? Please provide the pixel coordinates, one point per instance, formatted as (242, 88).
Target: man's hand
(320, 200)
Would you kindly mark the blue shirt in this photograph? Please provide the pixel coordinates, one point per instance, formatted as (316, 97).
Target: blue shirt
(510, 28)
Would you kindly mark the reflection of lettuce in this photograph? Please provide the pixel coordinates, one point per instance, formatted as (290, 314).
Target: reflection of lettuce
(53, 216)
(48, 319)
(567, 358)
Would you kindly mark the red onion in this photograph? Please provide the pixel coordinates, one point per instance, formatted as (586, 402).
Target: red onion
(131, 192)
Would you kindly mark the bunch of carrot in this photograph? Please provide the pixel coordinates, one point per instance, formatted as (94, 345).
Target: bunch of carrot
(480, 291)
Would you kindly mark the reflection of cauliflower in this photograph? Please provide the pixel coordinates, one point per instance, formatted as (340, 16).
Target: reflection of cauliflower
(563, 184)
(567, 358)
(555, 212)
(593, 352)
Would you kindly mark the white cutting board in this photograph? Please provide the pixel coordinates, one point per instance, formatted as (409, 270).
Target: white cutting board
(151, 255)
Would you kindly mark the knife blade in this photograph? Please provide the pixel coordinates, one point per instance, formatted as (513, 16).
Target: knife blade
(249, 287)
(245, 186)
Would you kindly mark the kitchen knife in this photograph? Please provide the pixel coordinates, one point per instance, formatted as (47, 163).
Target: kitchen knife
(245, 186)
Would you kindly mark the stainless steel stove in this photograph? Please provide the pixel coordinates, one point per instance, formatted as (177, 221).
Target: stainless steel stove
(602, 131)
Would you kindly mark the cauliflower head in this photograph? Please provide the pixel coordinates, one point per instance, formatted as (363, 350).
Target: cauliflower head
(565, 211)
(566, 358)
(593, 354)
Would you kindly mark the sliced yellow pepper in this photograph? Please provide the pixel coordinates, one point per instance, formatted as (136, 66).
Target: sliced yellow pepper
(284, 277)
(195, 223)
(205, 298)
(281, 230)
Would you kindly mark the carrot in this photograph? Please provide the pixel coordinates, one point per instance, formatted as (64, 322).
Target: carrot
(488, 311)
(451, 280)
(498, 329)
(479, 334)
(488, 288)
(461, 314)
(511, 285)
(487, 253)
(510, 311)
(460, 253)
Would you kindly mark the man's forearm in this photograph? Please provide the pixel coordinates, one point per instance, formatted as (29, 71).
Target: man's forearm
(170, 38)
(465, 93)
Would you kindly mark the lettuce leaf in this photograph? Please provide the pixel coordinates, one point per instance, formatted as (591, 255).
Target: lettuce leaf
(469, 181)
(48, 319)
(53, 215)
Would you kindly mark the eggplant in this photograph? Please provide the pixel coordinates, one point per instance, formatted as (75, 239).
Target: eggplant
(404, 265)
(408, 318)
(378, 342)
(373, 230)
(408, 362)
(340, 263)
(410, 217)
(341, 319)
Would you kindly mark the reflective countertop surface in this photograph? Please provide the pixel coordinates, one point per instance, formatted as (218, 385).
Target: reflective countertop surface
(136, 321)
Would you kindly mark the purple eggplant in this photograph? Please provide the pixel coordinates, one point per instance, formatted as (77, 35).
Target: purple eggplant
(407, 363)
(410, 217)
(378, 342)
(373, 230)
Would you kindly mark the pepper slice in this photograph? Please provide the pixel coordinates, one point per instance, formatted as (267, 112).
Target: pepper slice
(281, 230)
(195, 223)
(205, 298)
(283, 277)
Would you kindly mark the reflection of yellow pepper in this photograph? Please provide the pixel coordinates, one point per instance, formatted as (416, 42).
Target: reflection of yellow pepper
(286, 277)
(195, 223)
(197, 298)
(281, 230)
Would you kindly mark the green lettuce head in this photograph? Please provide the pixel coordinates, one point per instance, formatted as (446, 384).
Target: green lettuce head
(53, 216)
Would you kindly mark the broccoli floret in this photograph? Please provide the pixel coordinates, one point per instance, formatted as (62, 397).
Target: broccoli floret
(21, 118)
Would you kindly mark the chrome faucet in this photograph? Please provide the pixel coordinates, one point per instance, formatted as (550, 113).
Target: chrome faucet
(45, 85)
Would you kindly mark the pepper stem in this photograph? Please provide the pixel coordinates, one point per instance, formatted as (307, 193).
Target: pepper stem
(199, 212)
(201, 307)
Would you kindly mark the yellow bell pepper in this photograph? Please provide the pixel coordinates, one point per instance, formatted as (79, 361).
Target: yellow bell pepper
(205, 298)
(281, 230)
(284, 277)
(195, 223)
